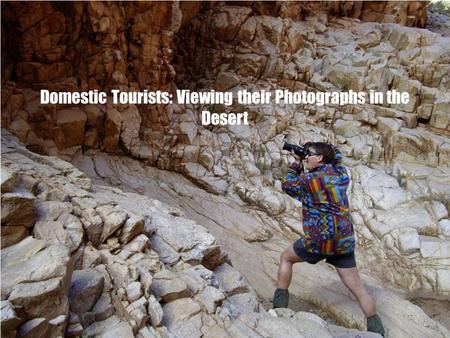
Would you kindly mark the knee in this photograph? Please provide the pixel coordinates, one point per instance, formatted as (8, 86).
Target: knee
(285, 256)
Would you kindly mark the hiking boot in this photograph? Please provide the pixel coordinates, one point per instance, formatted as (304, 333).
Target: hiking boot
(374, 324)
(280, 298)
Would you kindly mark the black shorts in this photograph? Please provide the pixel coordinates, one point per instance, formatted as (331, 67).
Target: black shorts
(339, 261)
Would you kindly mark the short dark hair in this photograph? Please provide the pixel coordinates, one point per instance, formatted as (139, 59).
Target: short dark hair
(324, 149)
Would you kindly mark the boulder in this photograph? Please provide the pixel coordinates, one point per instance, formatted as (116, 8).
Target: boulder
(239, 304)
(109, 328)
(10, 320)
(18, 209)
(70, 131)
(210, 297)
(179, 310)
(37, 327)
(168, 287)
(66, 229)
(166, 253)
(411, 215)
(155, 311)
(45, 299)
(133, 226)
(230, 280)
(103, 308)
(113, 219)
(134, 291)
(32, 260)
(9, 179)
(383, 189)
(12, 235)
(86, 287)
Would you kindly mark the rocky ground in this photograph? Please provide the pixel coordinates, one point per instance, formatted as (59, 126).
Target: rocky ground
(84, 259)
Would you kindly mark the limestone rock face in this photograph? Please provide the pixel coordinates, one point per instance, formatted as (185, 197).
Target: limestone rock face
(124, 287)
(85, 290)
(18, 209)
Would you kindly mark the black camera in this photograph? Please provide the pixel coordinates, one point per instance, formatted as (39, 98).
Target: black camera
(302, 152)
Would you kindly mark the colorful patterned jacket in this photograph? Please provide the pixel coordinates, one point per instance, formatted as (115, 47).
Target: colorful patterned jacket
(326, 219)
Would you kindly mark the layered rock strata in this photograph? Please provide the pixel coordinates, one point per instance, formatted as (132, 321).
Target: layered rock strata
(100, 46)
(98, 261)
(398, 154)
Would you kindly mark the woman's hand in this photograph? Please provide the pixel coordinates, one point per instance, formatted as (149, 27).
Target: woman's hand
(297, 167)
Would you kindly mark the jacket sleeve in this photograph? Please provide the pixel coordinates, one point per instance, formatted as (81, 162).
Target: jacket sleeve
(294, 185)
(337, 156)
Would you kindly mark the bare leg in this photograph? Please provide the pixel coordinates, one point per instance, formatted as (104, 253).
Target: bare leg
(350, 278)
(287, 259)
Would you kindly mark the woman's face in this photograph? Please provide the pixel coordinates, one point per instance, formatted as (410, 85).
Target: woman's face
(313, 159)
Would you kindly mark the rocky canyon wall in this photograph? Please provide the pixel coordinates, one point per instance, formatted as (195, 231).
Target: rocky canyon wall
(78, 46)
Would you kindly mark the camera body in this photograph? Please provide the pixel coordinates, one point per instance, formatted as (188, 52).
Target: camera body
(302, 152)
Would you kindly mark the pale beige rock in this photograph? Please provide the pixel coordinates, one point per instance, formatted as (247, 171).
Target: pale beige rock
(147, 332)
(10, 320)
(137, 311)
(165, 251)
(249, 64)
(432, 247)
(443, 281)
(187, 131)
(121, 273)
(444, 227)
(37, 327)
(133, 226)
(210, 297)
(93, 225)
(230, 280)
(196, 278)
(31, 261)
(137, 244)
(134, 291)
(74, 330)
(9, 179)
(408, 215)
(91, 257)
(57, 326)
(41, 299)
(66, 229)
(227, 22)
(86, 287)
(155, 311)
(103, 308)
(12, 235)
(21, 129)
(240, 304)
(408, 241)
(113, 219)
(179, 310)
(200, 176)
(18, 209)
(168, 287)
(383, 189)
(109, 328)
